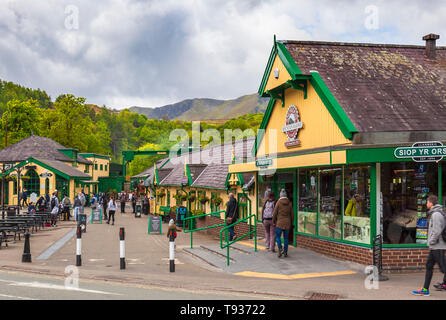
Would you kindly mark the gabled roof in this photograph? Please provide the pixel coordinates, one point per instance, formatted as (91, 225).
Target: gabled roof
(38, 147)
(380, 87)
(58, 167)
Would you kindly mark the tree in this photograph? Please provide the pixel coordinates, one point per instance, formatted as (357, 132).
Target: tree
(20, 119)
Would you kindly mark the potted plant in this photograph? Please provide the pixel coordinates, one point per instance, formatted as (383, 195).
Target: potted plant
(191, 198)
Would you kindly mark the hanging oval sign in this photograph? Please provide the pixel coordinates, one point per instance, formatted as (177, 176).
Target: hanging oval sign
(292, 126)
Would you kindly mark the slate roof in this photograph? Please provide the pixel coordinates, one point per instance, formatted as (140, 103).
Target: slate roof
(380, 87)
(64, 168)
(36, 147)
(208, 166)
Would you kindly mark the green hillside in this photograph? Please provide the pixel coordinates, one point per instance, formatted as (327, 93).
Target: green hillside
(206, 109)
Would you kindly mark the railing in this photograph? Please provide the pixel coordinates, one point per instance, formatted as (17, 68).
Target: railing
(228, 244)
(199, 216)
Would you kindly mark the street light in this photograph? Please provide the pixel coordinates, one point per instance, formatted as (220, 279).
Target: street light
(5, 167)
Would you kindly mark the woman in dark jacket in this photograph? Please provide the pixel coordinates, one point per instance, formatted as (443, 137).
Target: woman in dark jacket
(283, 218)
(232, 214)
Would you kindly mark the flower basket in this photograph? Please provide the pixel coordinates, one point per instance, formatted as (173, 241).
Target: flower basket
(184, 197)
(203, 200)
(161, 194)
(191, 198)
(217, 201)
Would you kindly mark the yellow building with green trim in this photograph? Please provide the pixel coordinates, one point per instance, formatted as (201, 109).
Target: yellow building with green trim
(40, 165)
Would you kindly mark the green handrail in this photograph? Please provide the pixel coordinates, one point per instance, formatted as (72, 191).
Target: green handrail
(204, 228)
(228, 244)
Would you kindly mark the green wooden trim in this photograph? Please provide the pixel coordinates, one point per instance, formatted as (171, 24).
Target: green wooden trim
(268, 68)
(43, 165)
(189, 176)
(263, 125)
(373, 155)
(342, 120)
(288, 60)
(373, 217)
(440, 183)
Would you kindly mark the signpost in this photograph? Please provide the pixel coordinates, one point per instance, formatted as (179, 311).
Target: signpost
(428, 151)
(155, 225)
(96, 215)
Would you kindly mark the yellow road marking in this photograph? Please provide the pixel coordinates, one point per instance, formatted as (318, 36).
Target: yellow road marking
(293, 276)
(252, 245)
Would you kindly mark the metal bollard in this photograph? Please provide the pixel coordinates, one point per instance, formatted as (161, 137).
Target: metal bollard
(122, 247)
(172, 252)
(78, 246)
(26, 257)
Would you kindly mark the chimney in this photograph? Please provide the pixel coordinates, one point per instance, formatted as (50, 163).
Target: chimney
(430, 45)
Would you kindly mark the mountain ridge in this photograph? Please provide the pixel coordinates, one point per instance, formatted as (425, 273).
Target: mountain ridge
(205, 108)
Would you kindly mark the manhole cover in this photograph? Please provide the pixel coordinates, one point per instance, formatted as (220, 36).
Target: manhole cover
(322, 296)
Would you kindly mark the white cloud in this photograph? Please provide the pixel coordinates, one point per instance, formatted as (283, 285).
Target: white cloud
(149, 53)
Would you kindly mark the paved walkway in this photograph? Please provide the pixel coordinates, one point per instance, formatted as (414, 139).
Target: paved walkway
(147, 256)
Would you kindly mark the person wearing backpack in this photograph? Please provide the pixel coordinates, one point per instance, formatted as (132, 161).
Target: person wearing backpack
(77, 206)
(112, 206)
(270, 231)
(437, 245)
(66, 208)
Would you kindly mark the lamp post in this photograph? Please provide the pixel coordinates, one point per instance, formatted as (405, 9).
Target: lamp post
(5, 167)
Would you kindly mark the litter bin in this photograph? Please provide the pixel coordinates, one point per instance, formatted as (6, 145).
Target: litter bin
(181, 215)
(82, 223)
(11, 211)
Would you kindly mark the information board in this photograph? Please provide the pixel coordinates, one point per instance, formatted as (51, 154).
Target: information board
(96, 215)
(155, 225)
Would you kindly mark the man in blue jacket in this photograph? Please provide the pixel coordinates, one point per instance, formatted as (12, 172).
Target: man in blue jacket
(437, 246)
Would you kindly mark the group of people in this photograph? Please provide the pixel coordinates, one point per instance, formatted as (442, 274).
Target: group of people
(278, 219)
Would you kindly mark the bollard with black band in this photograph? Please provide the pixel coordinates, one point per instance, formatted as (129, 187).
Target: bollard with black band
(78, 246)
(26, 257)
(122, 247)
(172, 234)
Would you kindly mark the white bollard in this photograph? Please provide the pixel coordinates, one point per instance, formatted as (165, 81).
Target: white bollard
(122, 247)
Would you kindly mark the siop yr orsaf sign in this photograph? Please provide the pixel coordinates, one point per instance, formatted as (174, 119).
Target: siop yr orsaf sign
(428, 151)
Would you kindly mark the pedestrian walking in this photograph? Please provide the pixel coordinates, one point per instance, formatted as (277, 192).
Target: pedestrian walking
(231, 215)
(145, 204)
(24, 199)
(270, 231)
(104, 205)
(134, 202)
(54, 205)
(66, 208)
(47, 200)
(122, 199)
(283, 218)
(112, 206)
(77, 206)
(437, 246)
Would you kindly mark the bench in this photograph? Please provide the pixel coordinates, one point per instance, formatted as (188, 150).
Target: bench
(5, 235)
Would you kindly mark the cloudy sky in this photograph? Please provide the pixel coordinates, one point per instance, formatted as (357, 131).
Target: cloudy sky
(123, 53)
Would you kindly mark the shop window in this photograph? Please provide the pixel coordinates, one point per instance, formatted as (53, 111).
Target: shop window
(14, 187)
(265, 183)
(167, 197)
(87, 168)
(307, 212)
(201, 205)
(330, 206)
(405, 187)
(357, 203)
(214, 206)
(96, 166)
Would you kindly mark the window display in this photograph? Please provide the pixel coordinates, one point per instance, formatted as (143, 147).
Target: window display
(405, 186)
(307, 215)
(357, 203)
(330, 189)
